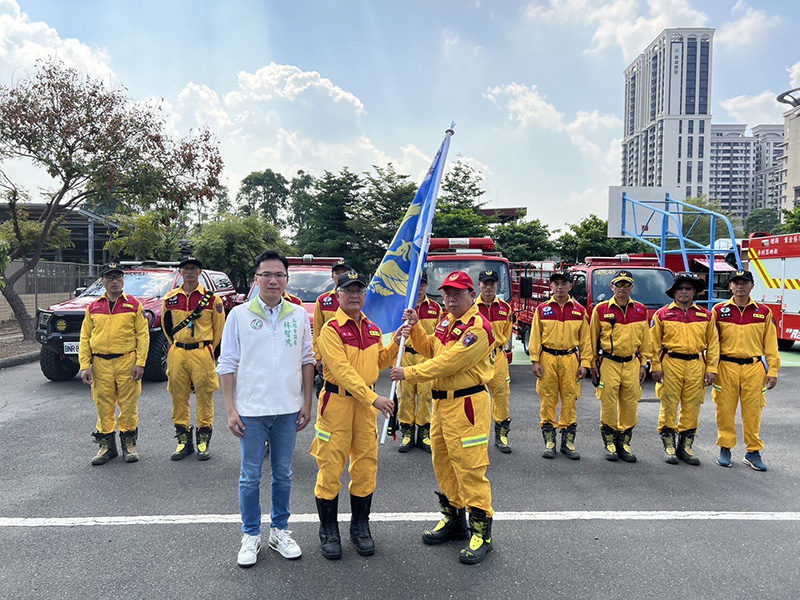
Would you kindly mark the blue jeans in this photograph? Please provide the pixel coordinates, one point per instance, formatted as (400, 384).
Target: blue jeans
(281, 430)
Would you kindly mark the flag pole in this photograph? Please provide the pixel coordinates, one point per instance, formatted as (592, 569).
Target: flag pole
(411, 300)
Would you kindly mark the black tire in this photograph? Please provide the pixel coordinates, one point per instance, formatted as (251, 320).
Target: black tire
(526, 339)
(785, 344)
(156, 367)
(56, 367)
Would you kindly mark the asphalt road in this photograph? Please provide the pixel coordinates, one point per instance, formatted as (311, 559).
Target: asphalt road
(556, 535)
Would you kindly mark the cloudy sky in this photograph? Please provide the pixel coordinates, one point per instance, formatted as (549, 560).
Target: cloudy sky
(535, 87)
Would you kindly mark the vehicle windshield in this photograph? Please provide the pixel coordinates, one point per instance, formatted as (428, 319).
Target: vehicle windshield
(140, 284)
(306, 285)
(648, 288)
(439, 269)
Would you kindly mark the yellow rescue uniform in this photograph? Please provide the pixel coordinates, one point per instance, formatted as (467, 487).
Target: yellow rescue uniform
(353, 355)
(685, 347)
(324, 310)
(418, 412)
(498, 314)
(560, 344)
(191, 357)
(459, 368)
(746, 337)
(623, 336)
(113, 342)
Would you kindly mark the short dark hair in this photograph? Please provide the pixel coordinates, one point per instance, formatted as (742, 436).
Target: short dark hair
(270, 255)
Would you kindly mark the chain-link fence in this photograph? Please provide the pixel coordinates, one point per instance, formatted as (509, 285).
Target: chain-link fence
(47, 284)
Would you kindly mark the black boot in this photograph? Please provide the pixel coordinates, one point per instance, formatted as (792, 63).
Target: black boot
(424, 437)
(359, 525)
(568, 442)
(610, 442)
(480, 544)
(127, 441)
(108, 447)
(501, 430)
(203, 440)
(185, 446)
(406, 437)
(549, 435)
(668, 439)
(624, 445)
(685, 448)
(328, 511)
(453, 525)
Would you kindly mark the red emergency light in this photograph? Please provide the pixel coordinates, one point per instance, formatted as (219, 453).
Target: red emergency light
(483, 243)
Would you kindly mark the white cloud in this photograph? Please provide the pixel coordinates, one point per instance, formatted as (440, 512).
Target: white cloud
(593, 135)
(754, 110)
(526, 106)
(794, 75)
(753, 26)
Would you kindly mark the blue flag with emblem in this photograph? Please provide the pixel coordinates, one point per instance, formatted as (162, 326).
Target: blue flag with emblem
(395, 284)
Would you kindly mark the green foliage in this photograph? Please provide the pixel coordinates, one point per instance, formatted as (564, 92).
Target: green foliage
(265, 192)
(524, 241)
(23, 234)
(154, 235)
(791, 220)
(457, 210)
(698, 228)
(763, 219)
(232, 243)
(589, 237)
(5, 260)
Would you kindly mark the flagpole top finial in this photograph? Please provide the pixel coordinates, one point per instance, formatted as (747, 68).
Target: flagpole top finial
(451, 130)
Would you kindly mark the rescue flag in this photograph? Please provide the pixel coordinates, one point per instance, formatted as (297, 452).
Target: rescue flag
(395, 284)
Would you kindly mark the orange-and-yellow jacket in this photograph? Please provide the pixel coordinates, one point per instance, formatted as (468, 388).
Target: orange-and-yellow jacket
(748, 332)
(561, 328)
(123, 330)
(690, 331)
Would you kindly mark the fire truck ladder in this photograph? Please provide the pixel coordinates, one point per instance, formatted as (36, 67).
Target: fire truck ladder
(679, 221)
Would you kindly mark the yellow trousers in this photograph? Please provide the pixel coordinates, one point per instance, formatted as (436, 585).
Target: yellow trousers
(619, 392)
(500, 388)
(735, 382)
(683, 388)
(460, 450)
(415, 398)
(112, 386)
(559, 378)
(187, 367)
(345, 428)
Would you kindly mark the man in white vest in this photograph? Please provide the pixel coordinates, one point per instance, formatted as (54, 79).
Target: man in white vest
(266, 369)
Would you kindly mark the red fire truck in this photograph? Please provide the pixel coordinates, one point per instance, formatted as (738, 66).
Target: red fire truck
(591, 284)
(775, 264)
(471, 255)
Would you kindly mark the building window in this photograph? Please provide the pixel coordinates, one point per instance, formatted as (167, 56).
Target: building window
(689, 144)
(700, 146)
(699, 190)
(700, 171)
(679, 146)
(688, 172)
(691, 76)
(679, 171)
(705, 56)
(702, 126)
(680, 126)
(688, 191)
(691, 126)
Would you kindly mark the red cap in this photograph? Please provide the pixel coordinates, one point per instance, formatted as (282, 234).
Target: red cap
(458, 280)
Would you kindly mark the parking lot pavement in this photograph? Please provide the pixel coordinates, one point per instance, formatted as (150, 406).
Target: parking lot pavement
(564, 529)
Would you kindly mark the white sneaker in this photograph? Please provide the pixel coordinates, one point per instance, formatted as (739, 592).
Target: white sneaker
(248, 554)
(281, 541)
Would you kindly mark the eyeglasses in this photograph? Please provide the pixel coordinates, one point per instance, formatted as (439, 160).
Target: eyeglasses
(356, 292)
(455, 296)
(622, 284)
(276, 276)
(117, 277)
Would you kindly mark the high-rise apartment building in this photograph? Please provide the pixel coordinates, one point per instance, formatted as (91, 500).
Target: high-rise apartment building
(732, 168)
(769, 154)
(790, 161)
(667, 121)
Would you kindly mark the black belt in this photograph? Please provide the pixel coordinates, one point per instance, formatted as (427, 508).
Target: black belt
(410, 350)
(192, 346)
(739, 361)
(108, 356)
(558, 352)
(683, 356)
(619, 359)
(334, 389)
(442, 394)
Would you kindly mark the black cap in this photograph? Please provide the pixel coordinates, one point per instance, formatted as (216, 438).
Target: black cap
(341, 264)
(622, 276)
(190, 260)
(686, 276)
(424, 278)
(350, 278)
(561, 275)
(741, 274)
(488, 275)
(111, 267)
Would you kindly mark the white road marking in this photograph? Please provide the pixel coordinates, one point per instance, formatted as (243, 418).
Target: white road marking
(577, 515)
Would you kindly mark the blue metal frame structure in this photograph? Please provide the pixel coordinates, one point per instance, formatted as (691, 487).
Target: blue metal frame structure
(673, 216)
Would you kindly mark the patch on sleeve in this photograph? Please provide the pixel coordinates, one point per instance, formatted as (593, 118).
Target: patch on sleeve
(469, 339)
(173, 301)
(219, 307)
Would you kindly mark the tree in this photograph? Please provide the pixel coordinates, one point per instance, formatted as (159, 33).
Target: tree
(763, 219)
(589, 237)
(265, 192)
(154, 235)
(231, 245)
(698, 227)
(524, 241)
(458, 207)
(96, 145)
(791, 220)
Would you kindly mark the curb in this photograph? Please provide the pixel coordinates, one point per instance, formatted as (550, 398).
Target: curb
(20, 359)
